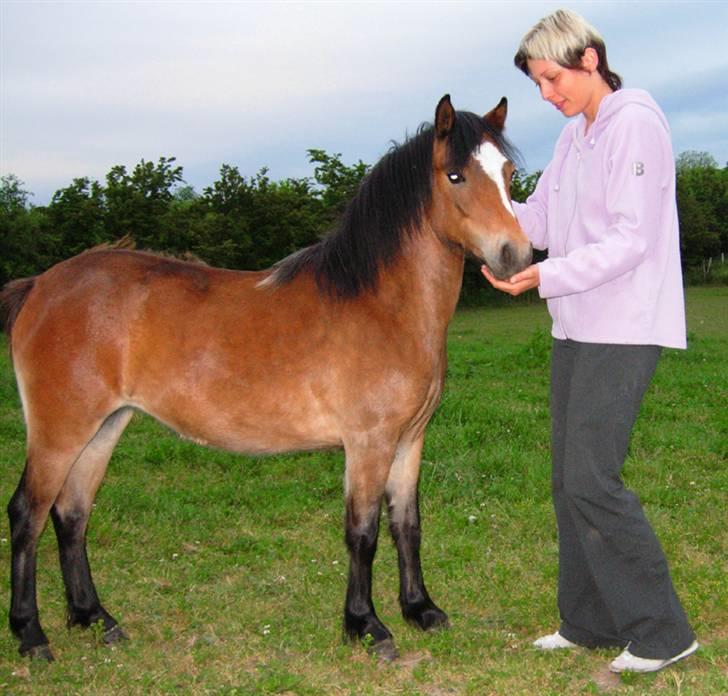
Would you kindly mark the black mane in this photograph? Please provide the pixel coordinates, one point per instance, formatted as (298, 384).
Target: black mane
(388, 207)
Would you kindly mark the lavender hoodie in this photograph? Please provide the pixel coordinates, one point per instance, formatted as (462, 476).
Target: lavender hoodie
(605, 208)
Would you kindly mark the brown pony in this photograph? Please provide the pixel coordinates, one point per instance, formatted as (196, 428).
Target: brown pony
(340, 345)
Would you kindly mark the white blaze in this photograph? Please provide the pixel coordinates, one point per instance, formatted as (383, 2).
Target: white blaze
(492, 161)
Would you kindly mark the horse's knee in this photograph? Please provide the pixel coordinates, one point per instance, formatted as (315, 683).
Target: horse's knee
(362, 516)
(70, 525)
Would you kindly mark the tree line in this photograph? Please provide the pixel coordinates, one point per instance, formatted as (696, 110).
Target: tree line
(252, 222)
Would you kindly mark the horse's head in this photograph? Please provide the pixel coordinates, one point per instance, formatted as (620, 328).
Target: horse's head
(471, 204)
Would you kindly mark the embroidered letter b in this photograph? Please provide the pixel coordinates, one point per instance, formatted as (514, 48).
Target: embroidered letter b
(638, 169)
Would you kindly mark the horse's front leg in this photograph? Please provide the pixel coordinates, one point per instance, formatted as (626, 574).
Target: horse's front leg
(404, 524)
(366, 475)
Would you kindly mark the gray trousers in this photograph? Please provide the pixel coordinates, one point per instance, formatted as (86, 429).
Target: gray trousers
(614, 583)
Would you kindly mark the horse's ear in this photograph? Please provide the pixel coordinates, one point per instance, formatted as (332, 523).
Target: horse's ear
(444, 117)
(497, 117)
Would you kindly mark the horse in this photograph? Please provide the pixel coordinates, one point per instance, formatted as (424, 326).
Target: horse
(340, 345)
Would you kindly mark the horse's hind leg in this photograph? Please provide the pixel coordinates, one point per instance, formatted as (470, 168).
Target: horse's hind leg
(28, 509)
(47, 473)
(404, 524)
(366, 474)
(70, 514)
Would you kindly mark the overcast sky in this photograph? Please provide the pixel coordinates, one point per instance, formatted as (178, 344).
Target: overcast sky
(88, 85)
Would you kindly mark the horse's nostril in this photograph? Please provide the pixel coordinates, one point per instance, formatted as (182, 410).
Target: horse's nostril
(507, 256)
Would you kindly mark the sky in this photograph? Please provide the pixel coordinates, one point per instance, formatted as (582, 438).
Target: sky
(87, 85)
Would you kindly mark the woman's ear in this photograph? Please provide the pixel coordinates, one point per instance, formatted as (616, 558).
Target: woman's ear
(590, 60)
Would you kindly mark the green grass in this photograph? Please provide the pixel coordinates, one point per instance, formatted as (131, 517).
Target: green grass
(229, 573)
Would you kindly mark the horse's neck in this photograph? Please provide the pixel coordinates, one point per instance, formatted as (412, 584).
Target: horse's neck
(429, 274)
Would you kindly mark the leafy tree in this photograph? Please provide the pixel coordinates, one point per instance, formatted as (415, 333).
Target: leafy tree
(336, 182)
(267, 220)
(702, 198)
(23, 243)
(523, 185)
(13, 195)
(137, 202)
(252, 222)
(692, 159)
(185, 193)
(76, 217)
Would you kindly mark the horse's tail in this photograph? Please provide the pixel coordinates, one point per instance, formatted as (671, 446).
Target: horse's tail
(12, 299)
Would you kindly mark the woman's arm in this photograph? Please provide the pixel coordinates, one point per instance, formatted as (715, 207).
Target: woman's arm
(640, 163)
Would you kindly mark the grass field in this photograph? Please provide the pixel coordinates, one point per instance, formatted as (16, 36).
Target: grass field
(229, 573)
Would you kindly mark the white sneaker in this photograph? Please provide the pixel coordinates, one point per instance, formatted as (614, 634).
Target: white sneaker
(553, 642)
(627, 662)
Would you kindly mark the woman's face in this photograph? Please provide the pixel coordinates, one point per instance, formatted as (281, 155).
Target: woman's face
(570, 90)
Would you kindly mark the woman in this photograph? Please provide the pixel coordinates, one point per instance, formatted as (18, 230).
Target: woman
(605, 210)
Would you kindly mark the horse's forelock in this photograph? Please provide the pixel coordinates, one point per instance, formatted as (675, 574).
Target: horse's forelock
(468, 133)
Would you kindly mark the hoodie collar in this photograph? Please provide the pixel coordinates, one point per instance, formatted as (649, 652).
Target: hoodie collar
(610, 105)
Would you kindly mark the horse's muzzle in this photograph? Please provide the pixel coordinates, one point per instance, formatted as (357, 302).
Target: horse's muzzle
(510, 259)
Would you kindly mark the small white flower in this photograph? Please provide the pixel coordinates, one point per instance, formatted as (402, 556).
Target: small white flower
(472, 519)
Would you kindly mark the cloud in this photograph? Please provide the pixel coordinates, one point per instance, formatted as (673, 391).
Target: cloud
(86, 86)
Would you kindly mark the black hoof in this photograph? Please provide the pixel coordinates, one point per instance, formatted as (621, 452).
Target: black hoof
(427, 618)
(40, 653)
(115, 635)
(384, 650)
(435, 619)
(367, 628)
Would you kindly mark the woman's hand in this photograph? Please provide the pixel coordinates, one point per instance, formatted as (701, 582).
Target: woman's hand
(516, 284)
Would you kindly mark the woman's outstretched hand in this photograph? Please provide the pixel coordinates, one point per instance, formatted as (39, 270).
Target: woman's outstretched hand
(516, 284)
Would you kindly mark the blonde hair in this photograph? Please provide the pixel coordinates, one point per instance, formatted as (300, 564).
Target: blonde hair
(563, 37)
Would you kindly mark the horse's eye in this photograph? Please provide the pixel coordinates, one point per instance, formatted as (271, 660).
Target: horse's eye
(455, 178)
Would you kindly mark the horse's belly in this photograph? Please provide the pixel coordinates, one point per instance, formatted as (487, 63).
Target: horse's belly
(270, 425)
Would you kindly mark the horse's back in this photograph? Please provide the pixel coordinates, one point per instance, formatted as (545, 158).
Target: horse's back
(114, 286)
